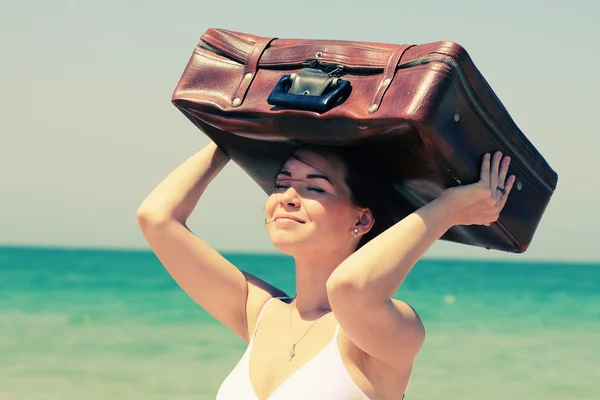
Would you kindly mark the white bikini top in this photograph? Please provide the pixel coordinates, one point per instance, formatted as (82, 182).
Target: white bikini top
(323, 377)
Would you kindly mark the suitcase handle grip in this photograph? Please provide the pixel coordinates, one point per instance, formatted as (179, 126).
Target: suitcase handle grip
(324, 102)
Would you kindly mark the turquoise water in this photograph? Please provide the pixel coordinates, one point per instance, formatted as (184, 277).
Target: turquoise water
(78, 324)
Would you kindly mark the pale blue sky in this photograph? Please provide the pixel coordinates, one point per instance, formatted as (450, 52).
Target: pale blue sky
(87, 128)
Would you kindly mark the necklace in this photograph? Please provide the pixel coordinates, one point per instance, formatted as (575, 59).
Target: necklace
(293, 350)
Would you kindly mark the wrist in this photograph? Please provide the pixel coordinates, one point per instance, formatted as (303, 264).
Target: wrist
(221, 152)
(218, 155)
(440, 212)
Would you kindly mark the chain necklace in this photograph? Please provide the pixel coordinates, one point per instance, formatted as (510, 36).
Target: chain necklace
(293, 350)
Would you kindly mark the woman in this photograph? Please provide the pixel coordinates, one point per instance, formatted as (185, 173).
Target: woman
(342, 336)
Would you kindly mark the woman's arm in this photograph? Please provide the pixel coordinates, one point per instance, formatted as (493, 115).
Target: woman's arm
(360, 289)
(177, 195)
(233, 297)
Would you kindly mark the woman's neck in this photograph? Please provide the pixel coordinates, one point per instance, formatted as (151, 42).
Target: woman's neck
(312, 274)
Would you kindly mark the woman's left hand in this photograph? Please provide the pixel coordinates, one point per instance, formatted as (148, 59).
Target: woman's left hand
(480, 203)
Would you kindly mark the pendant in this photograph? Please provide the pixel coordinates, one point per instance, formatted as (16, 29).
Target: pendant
(293, 352)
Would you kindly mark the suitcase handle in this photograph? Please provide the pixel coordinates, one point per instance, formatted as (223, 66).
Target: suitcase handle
(339, 90)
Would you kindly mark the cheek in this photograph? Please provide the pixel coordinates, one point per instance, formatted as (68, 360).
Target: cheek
(270, 205)
(332, 215)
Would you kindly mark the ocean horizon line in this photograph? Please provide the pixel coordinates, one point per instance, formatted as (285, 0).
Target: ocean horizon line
(274, 254)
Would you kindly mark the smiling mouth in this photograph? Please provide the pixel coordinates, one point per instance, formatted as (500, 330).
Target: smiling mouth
(289, 219)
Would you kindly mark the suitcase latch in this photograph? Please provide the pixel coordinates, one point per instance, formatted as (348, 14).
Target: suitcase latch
(311, 81)
(310, 89)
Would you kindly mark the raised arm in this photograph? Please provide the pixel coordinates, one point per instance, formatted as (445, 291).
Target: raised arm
(360, 289)
(233, 297)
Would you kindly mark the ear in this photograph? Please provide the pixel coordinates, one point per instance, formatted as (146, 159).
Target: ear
(364, 221)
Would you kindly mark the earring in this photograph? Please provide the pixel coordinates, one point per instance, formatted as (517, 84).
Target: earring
(355, 232)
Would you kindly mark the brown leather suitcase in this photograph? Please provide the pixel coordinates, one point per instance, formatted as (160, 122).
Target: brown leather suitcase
(425, 111)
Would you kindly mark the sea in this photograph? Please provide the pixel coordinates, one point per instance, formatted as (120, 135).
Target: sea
(112, 324)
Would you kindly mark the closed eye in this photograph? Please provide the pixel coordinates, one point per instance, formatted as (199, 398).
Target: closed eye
(279, 187)
(282, 187)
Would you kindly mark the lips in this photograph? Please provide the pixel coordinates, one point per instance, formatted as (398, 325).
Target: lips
(288, 217)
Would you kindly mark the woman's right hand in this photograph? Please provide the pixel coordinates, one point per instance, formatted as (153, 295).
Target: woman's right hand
(480, 203)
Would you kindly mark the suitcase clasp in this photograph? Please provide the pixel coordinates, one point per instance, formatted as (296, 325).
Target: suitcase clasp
(310, 89)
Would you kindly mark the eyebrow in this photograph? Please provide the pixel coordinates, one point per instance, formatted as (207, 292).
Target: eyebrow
(309, 176)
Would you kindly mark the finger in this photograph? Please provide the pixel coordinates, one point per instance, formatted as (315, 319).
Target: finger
(503, 171)
(494, 173)
(485, 170)
(508, 186)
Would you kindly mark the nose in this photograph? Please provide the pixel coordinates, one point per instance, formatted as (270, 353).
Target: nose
(289, 198)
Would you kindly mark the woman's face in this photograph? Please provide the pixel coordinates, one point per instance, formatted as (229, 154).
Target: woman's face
(310, 209)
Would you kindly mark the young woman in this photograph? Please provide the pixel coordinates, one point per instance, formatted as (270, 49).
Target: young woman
(341, 336)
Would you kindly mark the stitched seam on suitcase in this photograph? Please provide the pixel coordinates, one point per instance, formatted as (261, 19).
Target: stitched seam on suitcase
(220, 44)
(311, 43)
(345, 45)
(226, 32)
(276, 60)
(202, 53)
(355, 45)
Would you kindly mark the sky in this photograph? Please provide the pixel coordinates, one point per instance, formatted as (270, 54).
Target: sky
(87, 128)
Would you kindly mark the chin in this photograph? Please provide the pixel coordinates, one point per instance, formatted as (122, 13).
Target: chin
(290, 244)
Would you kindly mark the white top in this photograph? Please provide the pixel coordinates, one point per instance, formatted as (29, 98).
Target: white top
(323, 377)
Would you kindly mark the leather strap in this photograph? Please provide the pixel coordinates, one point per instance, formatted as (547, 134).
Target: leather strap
(388, 76)
(250, 68)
